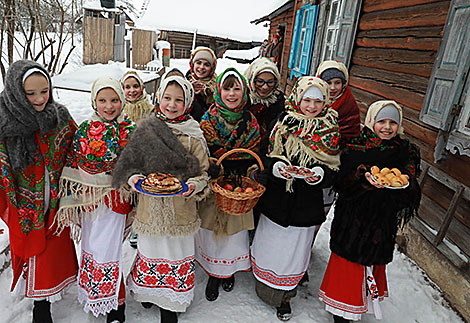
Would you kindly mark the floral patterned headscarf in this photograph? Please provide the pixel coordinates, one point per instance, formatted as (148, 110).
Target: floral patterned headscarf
(308, 140)
(97, 144)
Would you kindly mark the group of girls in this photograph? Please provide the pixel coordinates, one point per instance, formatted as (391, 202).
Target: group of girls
(62, 181)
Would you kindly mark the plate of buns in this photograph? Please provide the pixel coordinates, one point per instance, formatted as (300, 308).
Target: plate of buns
(389, 178)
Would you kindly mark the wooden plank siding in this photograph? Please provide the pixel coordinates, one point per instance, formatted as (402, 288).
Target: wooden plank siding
(287, 19)
(181, 43)
(142, 46)
(98, 40)
(395, 49)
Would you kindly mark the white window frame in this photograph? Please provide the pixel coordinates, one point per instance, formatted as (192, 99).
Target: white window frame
(333, 28)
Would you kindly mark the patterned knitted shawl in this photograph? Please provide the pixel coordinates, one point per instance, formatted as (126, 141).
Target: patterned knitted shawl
(225, 130)
(304, 139)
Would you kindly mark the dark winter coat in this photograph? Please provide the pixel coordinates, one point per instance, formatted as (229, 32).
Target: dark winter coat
(301, 208)
(199, 107)
(366, 218)
(265, 114)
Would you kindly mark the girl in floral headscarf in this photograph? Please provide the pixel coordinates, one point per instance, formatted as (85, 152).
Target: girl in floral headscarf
(367, 215)
(223, 237)
(88, 199)
(305, 135)
(202, 76)
(170, 141)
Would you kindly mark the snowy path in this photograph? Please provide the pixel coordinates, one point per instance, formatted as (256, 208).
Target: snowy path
(412, 299)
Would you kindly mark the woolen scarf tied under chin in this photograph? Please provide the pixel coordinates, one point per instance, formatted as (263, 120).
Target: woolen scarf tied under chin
(19, 120)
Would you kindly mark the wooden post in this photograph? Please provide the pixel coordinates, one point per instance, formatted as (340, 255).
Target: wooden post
(449, 215)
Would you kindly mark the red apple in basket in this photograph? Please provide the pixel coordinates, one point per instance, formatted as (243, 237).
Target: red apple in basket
(249, 189)
(228, 187)
(238, 189)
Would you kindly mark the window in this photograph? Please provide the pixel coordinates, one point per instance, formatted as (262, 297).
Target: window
(446, 104)
(336, 29)
(302, 40)
(332, 28)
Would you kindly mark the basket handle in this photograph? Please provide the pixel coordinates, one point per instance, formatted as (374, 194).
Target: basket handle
(240, 150)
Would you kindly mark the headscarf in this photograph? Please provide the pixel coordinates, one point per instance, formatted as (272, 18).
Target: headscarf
(19, 120)
(258, 66)
(208, 81)
(86, 179)
(302, 139)
(349, 119)
(229, 129)
(374, 110)
(188, 93)
(368, 149)
(141, 107)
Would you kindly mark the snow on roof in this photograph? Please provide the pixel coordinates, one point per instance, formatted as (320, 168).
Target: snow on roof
(227, 20)
(96, 5)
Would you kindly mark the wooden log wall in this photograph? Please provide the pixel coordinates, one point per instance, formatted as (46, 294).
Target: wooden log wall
(287, 19)
(395, 49)
(181, 43)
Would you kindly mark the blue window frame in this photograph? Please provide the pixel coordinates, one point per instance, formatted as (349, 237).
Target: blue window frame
(302, 40)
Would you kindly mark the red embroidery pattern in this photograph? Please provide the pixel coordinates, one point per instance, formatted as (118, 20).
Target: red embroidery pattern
(97, 279)
(162, 273)
(219, 261)
(275, 280)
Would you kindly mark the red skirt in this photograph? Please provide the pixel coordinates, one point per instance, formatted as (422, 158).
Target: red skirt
(344, 285)
(54, 269)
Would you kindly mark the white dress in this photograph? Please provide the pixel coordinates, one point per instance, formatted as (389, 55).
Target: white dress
(223, 256)
(99, 276)
(163, 271)
(280, 255)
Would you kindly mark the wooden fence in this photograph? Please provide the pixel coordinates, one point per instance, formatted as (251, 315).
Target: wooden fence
(98, 40)
(142, 46)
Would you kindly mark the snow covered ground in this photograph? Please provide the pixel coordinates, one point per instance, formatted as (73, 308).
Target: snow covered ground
(413, 299)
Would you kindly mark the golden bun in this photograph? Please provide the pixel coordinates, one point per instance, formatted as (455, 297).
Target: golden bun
(374, 170)
(388, 177)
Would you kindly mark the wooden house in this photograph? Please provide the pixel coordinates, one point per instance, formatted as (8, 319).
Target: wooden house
(103, 33)
(416, 52)
(182, 43)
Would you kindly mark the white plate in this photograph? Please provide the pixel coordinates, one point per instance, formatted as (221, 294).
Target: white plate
(390, 187)
(297, 175)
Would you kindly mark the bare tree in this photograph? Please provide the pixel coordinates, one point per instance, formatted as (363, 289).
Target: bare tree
(38, 30)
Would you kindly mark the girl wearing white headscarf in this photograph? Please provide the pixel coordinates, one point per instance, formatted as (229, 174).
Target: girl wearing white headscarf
(88, 199)
(163, 272)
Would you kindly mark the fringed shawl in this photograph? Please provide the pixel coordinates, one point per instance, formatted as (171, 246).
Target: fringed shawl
(223, 135)
(305, 140)
(86, 179)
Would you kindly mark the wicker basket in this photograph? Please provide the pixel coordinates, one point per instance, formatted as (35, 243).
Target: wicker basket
(237, 203)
